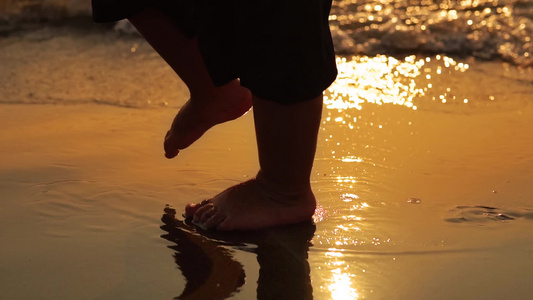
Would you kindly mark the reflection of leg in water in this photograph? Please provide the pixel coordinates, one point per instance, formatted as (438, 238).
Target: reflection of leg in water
(284, 270)
(209, 269)
(281, 252)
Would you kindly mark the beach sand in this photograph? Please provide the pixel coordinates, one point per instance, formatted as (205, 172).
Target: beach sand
(421, 196)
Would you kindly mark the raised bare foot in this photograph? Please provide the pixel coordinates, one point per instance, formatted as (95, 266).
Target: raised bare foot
(253, 205)
(202, 112)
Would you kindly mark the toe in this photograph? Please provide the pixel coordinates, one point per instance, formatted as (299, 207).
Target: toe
(207, 214)
(215, 220)
(170, 148)
(201, 211)
(173, 154)
(192, 208)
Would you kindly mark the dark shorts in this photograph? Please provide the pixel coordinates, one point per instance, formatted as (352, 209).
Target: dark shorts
(280, 49)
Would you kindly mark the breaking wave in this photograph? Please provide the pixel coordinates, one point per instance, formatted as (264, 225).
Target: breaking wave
(485, 29)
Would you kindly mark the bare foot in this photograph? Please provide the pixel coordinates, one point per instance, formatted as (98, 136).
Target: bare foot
(202, 112)
(253, 205)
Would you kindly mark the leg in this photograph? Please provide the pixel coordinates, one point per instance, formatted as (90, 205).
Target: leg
(281, 193)
(209, 105)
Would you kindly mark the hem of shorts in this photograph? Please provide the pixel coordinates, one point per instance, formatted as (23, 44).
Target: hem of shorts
(302, 97)
(109, 18)
(97, 19)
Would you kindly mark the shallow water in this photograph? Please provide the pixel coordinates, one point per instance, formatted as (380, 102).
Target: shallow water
(423, 195)
(484, 29)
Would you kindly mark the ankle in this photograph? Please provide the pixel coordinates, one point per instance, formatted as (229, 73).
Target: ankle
(203, 95)
(286, 191)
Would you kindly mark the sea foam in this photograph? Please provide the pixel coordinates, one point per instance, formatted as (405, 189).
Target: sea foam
(489, 30)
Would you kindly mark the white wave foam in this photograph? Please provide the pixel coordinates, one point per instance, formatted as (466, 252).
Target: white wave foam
(481, 28)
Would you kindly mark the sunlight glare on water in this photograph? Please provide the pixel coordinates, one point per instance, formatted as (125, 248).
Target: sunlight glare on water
(379, 80)
(341, 287)
(358, 113)
(355, 117)
(383, 80)
(391, 125)
(340, 283)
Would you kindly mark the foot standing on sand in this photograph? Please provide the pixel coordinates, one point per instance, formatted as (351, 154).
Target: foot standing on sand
(275, 55)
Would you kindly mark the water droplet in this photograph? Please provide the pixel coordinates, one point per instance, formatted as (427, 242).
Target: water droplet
(414, 201)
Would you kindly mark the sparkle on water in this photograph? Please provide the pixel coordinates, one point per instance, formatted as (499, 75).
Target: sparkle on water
(363, 82)
(340, 282)
(383, 80)
(341, 286)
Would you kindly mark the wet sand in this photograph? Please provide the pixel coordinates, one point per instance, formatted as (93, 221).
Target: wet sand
(425, 203)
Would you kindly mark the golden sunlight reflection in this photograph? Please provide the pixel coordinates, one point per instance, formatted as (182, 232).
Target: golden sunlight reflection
(341, 288)
(356, 128)
(348, 197)
(384, 80)
(352, 159)
(340, 283)
(360, 206)
(332, 252)
(346, 179)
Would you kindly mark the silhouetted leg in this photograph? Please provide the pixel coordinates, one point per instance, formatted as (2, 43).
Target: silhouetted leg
(281, 192)
(209, 105)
